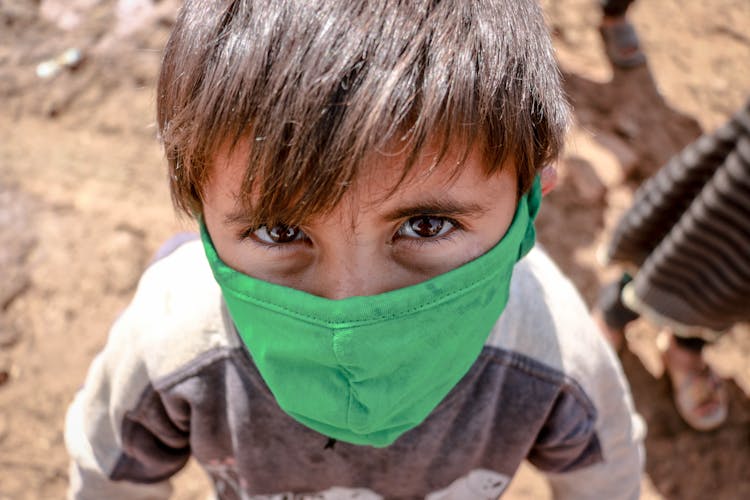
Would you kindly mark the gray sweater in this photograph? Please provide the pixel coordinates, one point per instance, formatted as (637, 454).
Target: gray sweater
(175, 381)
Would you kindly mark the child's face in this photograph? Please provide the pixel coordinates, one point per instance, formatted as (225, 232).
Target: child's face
(371, 242)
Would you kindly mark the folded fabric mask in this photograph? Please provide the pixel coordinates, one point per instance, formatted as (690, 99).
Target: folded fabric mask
(367, 369)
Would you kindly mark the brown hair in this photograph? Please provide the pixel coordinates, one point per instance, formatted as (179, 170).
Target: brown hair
(316, 85)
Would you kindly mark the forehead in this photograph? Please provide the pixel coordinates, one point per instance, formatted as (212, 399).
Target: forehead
(381, 179)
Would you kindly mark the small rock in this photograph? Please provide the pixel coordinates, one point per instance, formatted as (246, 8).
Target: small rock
(9, 333)
(584, 179)
(620, 199)
(603, 161)
(626, 157)
(70, 59)
(627, 126)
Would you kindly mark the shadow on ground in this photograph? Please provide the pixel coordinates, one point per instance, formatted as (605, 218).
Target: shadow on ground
(685, 464)
(681, 463)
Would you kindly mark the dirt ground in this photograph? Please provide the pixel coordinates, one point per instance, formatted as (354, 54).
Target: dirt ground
(84, 204)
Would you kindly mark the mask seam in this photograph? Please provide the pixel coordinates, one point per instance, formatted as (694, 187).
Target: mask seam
(347, 376)
(316, 320)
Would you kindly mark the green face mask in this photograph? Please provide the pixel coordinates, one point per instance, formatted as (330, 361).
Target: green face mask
(366, 369)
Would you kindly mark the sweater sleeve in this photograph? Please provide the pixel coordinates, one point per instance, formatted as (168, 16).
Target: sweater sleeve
(610, 432)
(590, 445)
(602, 458)
(122, 441)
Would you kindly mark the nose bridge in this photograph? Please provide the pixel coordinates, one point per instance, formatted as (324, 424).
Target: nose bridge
(348, 270)
(346, 256)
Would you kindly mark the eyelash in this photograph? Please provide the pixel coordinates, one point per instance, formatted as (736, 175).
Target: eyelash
(248, 234)
(420, 242)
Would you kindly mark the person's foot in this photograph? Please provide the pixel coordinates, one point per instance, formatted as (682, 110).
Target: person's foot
(621, 42)
(699, 394)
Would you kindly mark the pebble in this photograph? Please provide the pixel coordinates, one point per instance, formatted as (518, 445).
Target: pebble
(625, 155)
(627, 126)
(69, 59)
(584, 179)
(603, 161)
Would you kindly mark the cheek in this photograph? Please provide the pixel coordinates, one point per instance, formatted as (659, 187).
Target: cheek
(475, 249)
(430, 262)
(469, 250)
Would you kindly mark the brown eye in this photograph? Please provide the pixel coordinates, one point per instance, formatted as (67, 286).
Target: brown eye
(278, 234)
(425, 226)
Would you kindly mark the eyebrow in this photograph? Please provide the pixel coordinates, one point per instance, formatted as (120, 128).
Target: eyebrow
(442, 206)
(237, 217)
(436, 206)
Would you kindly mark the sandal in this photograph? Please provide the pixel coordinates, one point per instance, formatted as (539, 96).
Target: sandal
(621, 44)
(699, 394)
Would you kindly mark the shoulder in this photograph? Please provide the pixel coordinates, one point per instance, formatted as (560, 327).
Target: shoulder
(546, 320)
(173, 325)
(592, 425)
(176, 314)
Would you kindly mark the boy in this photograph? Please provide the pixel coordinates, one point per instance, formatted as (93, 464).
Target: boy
(361, 318)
